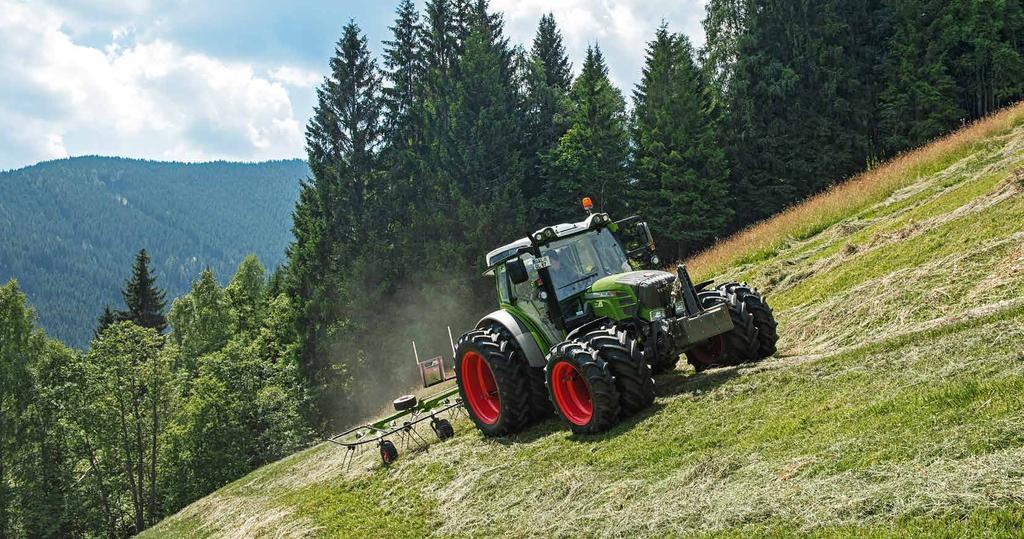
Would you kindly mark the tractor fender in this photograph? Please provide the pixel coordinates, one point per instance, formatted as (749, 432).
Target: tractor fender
(521, 333)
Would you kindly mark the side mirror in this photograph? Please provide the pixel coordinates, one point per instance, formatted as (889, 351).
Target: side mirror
(517, 270)
(643, 232)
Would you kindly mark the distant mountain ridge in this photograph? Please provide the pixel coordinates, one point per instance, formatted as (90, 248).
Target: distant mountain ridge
(69, 228)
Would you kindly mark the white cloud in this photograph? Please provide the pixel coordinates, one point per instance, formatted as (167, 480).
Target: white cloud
(622, 28)
(294, 76)
(149, 99)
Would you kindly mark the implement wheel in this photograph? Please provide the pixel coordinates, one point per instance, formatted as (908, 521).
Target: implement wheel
(442, 428)
(582, 388)
(388, 452)
(493, 382)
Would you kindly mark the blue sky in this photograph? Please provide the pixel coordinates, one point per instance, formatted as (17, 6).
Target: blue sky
(199, 80)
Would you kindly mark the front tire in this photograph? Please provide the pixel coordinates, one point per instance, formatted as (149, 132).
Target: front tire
(764, 318)
(738, 345)
(582, 388)
(493, 382)
(632, 375)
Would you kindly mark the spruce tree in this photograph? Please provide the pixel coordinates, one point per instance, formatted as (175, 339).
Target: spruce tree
(547, 82)
(488, 168)
(590, 158)
(106, 318)
(329, 223)
(919, 101)
(679, 167)
(549, 50)
(145, 302)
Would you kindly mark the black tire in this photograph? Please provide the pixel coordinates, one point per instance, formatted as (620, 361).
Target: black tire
(505, 408)
(764, 318)
(405, 402)
(623, 355)
(388, 452)
(540, 405)
(442, 428)
(666, 358)
(575, 364)
(738, 345)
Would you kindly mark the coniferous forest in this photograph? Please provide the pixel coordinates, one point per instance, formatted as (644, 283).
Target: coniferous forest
(425, 153)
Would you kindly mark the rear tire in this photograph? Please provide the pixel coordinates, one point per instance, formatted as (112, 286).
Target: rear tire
(582, 388)
(623, 355)
(493, 382)
(764, 318)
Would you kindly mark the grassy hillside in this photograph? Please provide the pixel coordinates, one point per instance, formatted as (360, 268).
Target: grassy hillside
(894, 407)
(70, 228)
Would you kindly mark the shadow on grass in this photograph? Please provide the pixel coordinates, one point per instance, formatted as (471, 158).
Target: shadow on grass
(666, 385)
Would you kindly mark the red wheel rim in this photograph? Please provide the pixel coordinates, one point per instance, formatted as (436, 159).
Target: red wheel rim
(708, 353)
(571, 393)
(480, 387)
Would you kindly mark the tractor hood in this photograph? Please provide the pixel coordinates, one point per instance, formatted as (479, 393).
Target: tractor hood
(652, 288)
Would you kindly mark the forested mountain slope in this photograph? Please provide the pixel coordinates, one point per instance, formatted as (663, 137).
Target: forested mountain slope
(70, 228)
(893, 408)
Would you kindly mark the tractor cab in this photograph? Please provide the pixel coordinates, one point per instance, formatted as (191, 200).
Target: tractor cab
(547, 275)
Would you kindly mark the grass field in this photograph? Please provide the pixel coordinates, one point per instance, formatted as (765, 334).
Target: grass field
(894, 408)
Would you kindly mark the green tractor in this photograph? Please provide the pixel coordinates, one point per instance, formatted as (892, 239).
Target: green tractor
(581, 331)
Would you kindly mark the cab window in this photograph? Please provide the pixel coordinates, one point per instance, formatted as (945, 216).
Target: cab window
(504, 294)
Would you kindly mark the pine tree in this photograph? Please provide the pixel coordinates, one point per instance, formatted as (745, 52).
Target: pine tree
(590, 158)
(547, 82)
(678, 165)
(548, 49)
(329, 222)
(488, 169)
(106, 318)
(144, 300)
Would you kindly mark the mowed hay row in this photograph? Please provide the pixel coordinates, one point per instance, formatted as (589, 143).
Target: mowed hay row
(846, 198)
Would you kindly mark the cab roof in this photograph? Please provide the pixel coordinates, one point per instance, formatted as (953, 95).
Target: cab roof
(509, 250)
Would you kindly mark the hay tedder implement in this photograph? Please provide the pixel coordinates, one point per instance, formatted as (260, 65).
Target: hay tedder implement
(400, 428)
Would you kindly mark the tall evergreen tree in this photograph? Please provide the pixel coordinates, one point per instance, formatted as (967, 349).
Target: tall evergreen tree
(678, 165)
(343, 140)
(549, 50)
(590, 158)
(144, 300)
(106, 318)
(547, 82)
(488, 168)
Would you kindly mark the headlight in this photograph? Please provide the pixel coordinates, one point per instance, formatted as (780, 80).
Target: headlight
(655, 260)
(657, 315)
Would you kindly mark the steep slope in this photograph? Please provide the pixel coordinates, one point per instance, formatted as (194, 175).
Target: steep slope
(70, 228)
(894, 407)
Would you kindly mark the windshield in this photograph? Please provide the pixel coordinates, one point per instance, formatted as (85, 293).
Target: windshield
(578, 261)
